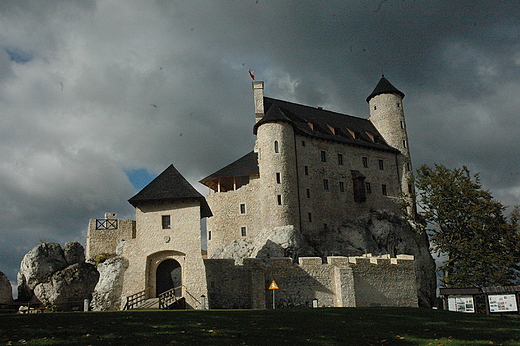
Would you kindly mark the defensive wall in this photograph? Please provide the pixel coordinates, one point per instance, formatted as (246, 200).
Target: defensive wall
(103, 235)
(339, 282)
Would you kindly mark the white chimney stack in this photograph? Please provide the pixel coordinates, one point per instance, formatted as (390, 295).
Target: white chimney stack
(258, 93)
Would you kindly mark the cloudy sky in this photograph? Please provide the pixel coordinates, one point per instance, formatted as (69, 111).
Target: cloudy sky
(99, 96)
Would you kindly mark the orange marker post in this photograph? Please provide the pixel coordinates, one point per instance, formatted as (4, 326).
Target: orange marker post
(273, 287)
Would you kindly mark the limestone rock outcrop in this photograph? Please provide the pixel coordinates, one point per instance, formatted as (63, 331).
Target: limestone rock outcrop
(280, 242)
(107, 293)
(52, 275)
(6, 290)
(378, 233)
(72, 284)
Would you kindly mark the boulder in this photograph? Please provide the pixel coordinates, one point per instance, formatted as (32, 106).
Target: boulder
(54, 276)
(6, 290)
(74, 253)
(72, 284)
(38, 265)
(107, 293)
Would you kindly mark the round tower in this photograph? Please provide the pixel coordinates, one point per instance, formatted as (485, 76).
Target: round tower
(277, 164)
(387, 115)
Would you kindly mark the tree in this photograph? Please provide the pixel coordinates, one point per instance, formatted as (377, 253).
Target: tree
(469, 226)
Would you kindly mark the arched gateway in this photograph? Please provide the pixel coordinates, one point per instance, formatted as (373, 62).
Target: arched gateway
(168, 275)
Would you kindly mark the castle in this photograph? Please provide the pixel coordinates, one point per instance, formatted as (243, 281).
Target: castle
(310, 171)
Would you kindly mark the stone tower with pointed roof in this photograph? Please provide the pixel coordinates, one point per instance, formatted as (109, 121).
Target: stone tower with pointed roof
(311, 170)
(387, 115)
(164, 250)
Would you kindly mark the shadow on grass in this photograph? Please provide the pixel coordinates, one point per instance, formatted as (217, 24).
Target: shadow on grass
(334, 326)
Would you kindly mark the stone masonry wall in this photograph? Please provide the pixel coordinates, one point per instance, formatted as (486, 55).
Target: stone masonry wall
(342, 281)
(153, 244)
(227, 220)
(105, 240)
(385, 281)
(332, 206)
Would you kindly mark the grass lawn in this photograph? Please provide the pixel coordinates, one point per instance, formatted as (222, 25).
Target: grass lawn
(326, 326)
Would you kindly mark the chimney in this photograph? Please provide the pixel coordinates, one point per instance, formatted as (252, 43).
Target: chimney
(258, 93)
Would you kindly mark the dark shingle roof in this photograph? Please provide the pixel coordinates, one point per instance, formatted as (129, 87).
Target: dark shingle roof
(384, 87)
(323, 124)
(246, 165)
(170, 185)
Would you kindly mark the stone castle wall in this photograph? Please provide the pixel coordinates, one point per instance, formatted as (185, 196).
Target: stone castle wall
(227, 220)
(101, 241)
(297, 174)
(341, 282)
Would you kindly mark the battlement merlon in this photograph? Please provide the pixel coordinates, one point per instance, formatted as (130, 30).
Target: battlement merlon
(338, 261)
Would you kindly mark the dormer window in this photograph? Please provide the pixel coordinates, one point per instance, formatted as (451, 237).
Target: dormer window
(311, 125)
(352, 133)
(372, 138)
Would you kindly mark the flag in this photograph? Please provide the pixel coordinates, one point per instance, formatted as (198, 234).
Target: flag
(252, 74)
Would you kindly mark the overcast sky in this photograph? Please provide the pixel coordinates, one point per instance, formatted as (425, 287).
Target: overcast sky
(98, 96)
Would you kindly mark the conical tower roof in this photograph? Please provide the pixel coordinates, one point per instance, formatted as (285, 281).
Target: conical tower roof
(384, 87)
(170, 185)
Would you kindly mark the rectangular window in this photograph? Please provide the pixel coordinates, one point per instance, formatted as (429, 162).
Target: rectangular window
(340, 159)
(368, 188)
(341, 186)
(402, 124)
(303, 143)
(410, 188)
(408, 168)
(166, 222)
(242, 208)
(278, 178)
(279, 198)
(323, 156)
(308, 193)
(276, 147)
(365, 161)
(325, 184)
(404, 143)
(306, 169)
(243, 231)
(381, 165)
(309, 217)
(209, 235)
(383, 189)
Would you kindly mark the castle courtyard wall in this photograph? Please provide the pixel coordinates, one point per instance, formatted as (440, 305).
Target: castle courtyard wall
(341, 282)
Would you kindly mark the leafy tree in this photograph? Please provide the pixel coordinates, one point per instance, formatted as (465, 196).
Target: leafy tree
(469, 227)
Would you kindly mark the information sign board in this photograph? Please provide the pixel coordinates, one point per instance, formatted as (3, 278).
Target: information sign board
(461, 304)
(502, 303)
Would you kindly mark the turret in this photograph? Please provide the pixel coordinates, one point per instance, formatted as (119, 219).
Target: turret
(387, 115)
(275, 145)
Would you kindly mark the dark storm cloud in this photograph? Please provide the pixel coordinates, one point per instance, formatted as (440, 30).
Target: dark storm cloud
(116, 86)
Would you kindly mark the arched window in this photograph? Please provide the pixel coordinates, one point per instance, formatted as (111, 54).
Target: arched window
(276, 147)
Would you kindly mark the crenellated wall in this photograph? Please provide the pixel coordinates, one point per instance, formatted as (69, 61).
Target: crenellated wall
(340, 282)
